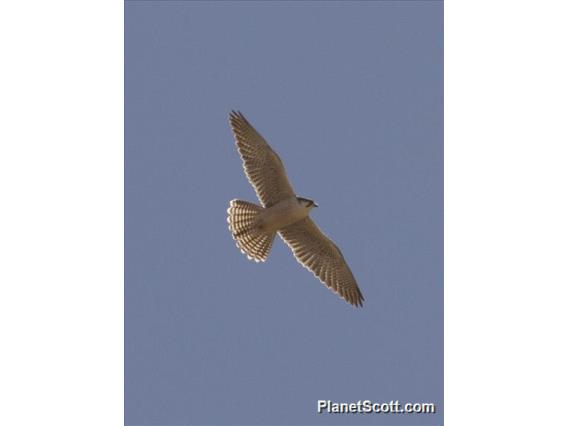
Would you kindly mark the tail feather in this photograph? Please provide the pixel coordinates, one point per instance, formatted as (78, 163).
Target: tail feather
(252, 242)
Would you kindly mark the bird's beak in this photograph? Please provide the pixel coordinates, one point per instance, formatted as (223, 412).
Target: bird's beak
(315, 204)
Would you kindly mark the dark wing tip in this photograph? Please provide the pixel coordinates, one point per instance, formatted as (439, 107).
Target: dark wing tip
(236, 115)
(356, 298)
(238, 121)
(360, 297)
(358, 303)
(353, 296)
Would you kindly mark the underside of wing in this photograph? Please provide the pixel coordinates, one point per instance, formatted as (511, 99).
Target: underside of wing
(320, 255)
(262, 165)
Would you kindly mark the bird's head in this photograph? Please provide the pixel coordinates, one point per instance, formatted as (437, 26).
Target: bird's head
(307, 203)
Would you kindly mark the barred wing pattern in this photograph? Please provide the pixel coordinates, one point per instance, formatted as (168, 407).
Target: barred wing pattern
(262, 165)
(320, 255)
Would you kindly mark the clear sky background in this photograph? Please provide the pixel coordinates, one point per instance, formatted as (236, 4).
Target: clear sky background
(351, 97)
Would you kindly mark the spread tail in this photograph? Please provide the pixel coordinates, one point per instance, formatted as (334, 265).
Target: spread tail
(252, 242)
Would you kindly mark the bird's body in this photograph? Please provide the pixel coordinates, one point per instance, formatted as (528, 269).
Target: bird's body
(254, 227)
(282, 214)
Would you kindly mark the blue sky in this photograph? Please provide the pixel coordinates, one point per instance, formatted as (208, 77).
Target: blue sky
(351, 97)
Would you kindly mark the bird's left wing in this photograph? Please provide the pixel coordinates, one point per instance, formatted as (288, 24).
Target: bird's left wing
(263, 167)
(320, 255)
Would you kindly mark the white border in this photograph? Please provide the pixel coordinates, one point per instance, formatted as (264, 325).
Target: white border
(506, 211)
(61, 215)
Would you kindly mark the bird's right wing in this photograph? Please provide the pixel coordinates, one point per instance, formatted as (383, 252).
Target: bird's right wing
(320, 255)
(263, 167)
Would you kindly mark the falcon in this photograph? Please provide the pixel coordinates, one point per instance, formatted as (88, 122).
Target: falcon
(282, 212)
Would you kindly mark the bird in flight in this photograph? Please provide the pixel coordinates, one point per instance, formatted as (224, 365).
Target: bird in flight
(254, 227)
